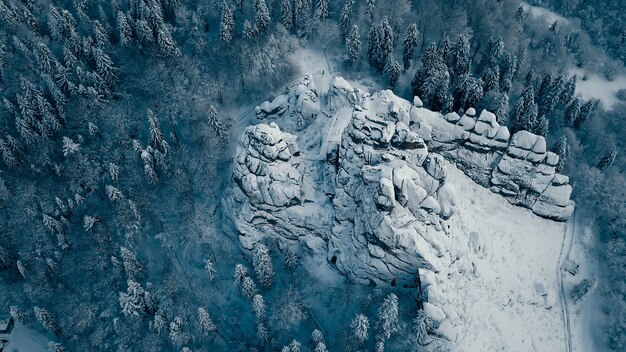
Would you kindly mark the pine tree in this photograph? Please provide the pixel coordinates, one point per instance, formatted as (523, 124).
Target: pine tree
(360, 328)
(263, 265)
(227, 24)
(69, 147)
(572, 112)
(157, 140)
(508, 71)
(240, 273)
(467, 92)
(344, 19)
(502, 107)
(561, 148)
(542, 127)
(460, 57)
(46, 320)
(295, 346)
(493, 52)
(131, 264)
(388, 317)
(216, 122)
(586, 110)
(432, 81)
(177, 335)
(55, 347)
(248, 287)
(206, 323)
(261, 16)
(248, 30)
(386, 44)
(165, 42)
(370, 11)
(607, 160)
(210, 269)
(421, 323)
(321, 9)
(409, 44)
(261, 332)
(353, 46)
(568, 92)
(286, 14)
(258, 306)
(393, 70)
(491, 79)
(443, 47)
(526, 111)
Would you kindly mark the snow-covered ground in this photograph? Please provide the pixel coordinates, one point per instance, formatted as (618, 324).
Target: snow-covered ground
(585, 314)
(540, 12)
(509, 258)
(25, 339)
(596, 86)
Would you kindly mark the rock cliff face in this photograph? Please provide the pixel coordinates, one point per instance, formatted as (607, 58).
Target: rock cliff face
(377, 206)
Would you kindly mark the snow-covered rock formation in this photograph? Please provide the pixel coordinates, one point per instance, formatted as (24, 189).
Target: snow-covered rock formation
(518, 167)
(377, 206)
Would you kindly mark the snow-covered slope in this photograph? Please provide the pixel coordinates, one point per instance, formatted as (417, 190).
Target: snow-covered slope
(508, 259)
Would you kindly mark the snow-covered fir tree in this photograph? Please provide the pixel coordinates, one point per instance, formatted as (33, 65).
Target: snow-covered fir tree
(321, 9)
(263, 265)
(561, 148)
(607, 160)
(387, 318)
(206, 323)
(409, 45)
(526, 111)
(432, 80)
(353, 46)
(360, 328)
(287, 16)
(393, 71)
(262, 18)
(227, 23)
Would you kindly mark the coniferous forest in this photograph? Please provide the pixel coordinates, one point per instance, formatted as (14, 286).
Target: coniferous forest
(118, 125)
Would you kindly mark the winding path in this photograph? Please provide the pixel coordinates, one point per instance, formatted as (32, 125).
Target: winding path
(566, 249)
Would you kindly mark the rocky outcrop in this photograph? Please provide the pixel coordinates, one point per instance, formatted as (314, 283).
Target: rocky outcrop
(271, 197)
(518, 167)
(301, 102)
(377, 206)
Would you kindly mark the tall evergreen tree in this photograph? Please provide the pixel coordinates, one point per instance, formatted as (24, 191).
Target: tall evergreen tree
(321, 9)
(586, 110)
(409, 44)
(353, 46)
(607, 160)
(432, 81)
(286, 12)
(561, 148)
(460, 57)
(360, 328)
(261, 16)
(526, 111)
(572, 112)
(370, 11)
(388, 317)
(393, 70)
(227, 24)
(344, 19)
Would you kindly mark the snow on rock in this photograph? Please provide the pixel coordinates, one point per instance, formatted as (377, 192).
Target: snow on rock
(340, 94)
(301, 102)
(518, 167)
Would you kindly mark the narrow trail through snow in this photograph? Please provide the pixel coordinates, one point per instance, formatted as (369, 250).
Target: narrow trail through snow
(568, 241)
